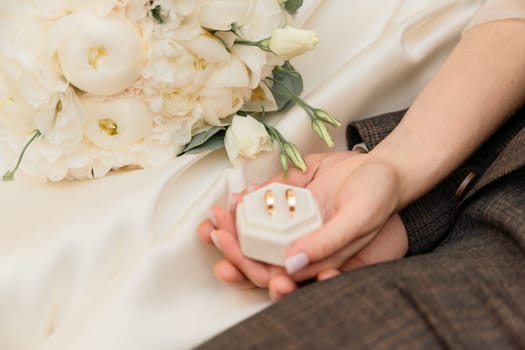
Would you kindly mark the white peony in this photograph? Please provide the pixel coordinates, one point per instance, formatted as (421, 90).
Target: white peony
(118, 83)
(101, 56)
(116, 123)
(246, 137)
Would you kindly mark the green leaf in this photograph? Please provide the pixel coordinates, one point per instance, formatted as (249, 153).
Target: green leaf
(156, 13)
(288, 82)
(292, 6)
(211, 139)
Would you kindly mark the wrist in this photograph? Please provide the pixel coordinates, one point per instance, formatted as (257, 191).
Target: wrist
(378, 175)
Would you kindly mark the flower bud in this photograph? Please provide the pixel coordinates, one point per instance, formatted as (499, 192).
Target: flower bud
(295, 156)
(327, 118)
(288, 42)
(320, 129)
(284, 162)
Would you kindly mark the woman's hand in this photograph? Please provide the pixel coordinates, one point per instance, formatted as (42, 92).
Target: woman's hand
(349, 188)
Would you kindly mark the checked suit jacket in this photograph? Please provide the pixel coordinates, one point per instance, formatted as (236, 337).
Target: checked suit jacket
(462, 285)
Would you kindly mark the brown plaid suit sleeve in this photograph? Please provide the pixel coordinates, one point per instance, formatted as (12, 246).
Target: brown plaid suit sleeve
(428, 219)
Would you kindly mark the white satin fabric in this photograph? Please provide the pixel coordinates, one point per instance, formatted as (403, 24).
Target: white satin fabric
(115, 263)
(494, 10)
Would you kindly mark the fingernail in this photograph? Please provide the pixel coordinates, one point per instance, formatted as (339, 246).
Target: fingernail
(211, 216)
(215, 241)
(296, 263)
(274, 296)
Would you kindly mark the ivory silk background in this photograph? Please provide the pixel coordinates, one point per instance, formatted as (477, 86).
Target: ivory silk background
(115, 263)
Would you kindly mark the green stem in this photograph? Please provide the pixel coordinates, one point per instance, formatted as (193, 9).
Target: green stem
(295, 98)
(263, 44)
(274, 133)
(10, 175)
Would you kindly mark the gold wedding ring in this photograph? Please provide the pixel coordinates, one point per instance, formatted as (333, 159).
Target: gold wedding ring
(292, 201)
(270, 202)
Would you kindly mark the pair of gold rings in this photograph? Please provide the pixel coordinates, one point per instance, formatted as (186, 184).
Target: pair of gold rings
(290, 198)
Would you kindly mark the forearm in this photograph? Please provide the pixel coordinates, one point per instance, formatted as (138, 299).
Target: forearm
(476, 90)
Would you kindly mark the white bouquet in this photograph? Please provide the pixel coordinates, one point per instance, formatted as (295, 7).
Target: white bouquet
(91, 86)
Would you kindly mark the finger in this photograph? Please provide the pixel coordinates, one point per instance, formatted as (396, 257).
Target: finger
(334, 261)
(235, 199)
(204, 230)
(316, 163)
(256, 272)
(280, 286)
(361, 209)
(224, 219)
(390, 244)
(327, 274)
(229, 274)
(333, 236)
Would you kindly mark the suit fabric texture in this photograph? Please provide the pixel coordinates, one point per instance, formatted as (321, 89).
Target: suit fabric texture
(462, 285)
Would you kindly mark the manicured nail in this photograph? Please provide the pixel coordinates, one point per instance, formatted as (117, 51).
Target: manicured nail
(211, 216)
(215, 241)
(296, 263)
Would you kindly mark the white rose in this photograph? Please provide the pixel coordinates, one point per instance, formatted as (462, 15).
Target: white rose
(117, 123)
(289, 42)
(102, 56)
(246, 137)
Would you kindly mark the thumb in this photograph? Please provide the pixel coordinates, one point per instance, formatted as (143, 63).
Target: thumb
(337, 233)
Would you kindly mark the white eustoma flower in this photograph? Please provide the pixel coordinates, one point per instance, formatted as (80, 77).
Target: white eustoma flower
(246, 137)
(220, 103)
(116, 123)
(208, 47)
(221, 14)
(62, 120)
(261, 98)
(289, 42)
(231, 74)
(101, 56)
(254, 59)
(265, 16)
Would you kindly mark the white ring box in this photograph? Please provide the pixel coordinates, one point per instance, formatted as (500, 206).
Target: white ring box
(266, 237)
